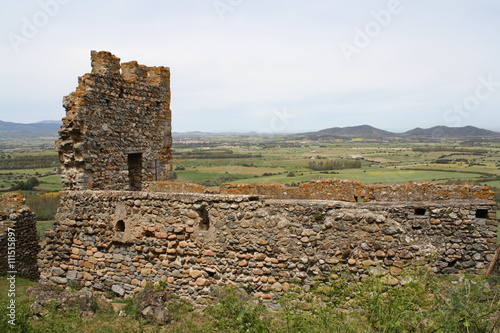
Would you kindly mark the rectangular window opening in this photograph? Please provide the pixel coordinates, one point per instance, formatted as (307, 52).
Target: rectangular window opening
(482, 213)
(420, 211)
(135, 171)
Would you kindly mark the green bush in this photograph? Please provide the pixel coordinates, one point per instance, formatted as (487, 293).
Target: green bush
(334, 165)
(236, 313)
(421, 302)
(27, 185)
(22, 321)
(467, 306)
(44, 205)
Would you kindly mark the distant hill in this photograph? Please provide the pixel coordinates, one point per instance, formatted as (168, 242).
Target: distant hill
(48, 130)
(363, 131)
(370, 132)
(43, 129)
(450, 132)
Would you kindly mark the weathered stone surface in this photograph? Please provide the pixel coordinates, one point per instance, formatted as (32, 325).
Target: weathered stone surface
(341, 189)
(195, 274)
(117, 129)
(118, 290)
(45, 295)
(18, 238)
(116, 138)
(152, 306)
(259, 255)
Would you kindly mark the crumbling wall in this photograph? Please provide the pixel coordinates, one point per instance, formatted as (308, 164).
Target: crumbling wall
(121, 241)
(18, 238)
(117, 129)
(115, 141)
(339, 189)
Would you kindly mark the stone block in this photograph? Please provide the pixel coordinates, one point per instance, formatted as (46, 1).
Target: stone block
(118, 290)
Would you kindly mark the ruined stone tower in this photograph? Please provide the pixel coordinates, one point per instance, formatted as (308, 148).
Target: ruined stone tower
(117, 131)
(108, 236)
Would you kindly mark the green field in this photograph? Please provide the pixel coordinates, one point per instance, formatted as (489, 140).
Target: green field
(366, 176)
(212, 160)
(289, 162)
(50, 183)
(426, 303)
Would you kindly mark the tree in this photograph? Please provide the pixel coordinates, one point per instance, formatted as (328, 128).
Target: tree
(28, 185)
(32, 182)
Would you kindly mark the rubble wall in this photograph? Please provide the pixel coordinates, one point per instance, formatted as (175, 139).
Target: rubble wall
(124, 240)
(18, 238)
(117, 129)
(339, 189)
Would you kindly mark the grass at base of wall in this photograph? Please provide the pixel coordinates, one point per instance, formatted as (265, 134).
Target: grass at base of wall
(41, 226)
(421, 302)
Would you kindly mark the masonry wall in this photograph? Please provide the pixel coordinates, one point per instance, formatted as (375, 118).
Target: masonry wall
(18, 238)
(121, 240)
(117, 129)
(338, 189)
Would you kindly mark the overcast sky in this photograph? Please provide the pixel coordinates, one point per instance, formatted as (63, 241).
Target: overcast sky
(266, 65)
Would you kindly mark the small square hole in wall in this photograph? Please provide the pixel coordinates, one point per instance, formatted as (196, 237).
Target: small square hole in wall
(481, 213)
(420, 211)
(359, 198)
(120, 226)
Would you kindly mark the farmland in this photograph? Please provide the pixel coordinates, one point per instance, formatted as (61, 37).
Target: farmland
(454, 303)
(287, 161)
(211, 160)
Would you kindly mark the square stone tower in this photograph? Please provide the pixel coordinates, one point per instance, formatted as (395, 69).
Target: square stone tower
(117, 132)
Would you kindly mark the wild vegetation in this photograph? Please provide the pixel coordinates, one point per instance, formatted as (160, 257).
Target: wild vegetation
(15, 161)
(423, 303)
(334, 165)
(44, 204)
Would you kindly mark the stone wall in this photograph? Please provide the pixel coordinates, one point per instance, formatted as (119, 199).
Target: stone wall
(18, 238)
(123, 240)
(338, 189)
(117, 129)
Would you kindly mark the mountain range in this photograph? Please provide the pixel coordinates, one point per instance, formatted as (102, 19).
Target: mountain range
(45, 129)
(48, 129)
(370, 132)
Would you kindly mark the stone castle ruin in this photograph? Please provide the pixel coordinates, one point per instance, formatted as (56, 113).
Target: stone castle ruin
(117, 131)
(122, 225)
(18, 238)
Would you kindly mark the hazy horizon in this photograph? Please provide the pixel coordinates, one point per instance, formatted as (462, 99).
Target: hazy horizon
(396, 131)
(278, 66)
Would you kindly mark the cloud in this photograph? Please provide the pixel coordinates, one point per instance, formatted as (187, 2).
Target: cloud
(265, 55)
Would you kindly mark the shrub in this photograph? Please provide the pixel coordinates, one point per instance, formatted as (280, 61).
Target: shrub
(235, 312)
(44, 205)
(28, 185)
(334, 165)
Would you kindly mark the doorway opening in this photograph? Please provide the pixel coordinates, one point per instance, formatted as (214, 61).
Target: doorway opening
(134, 162)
